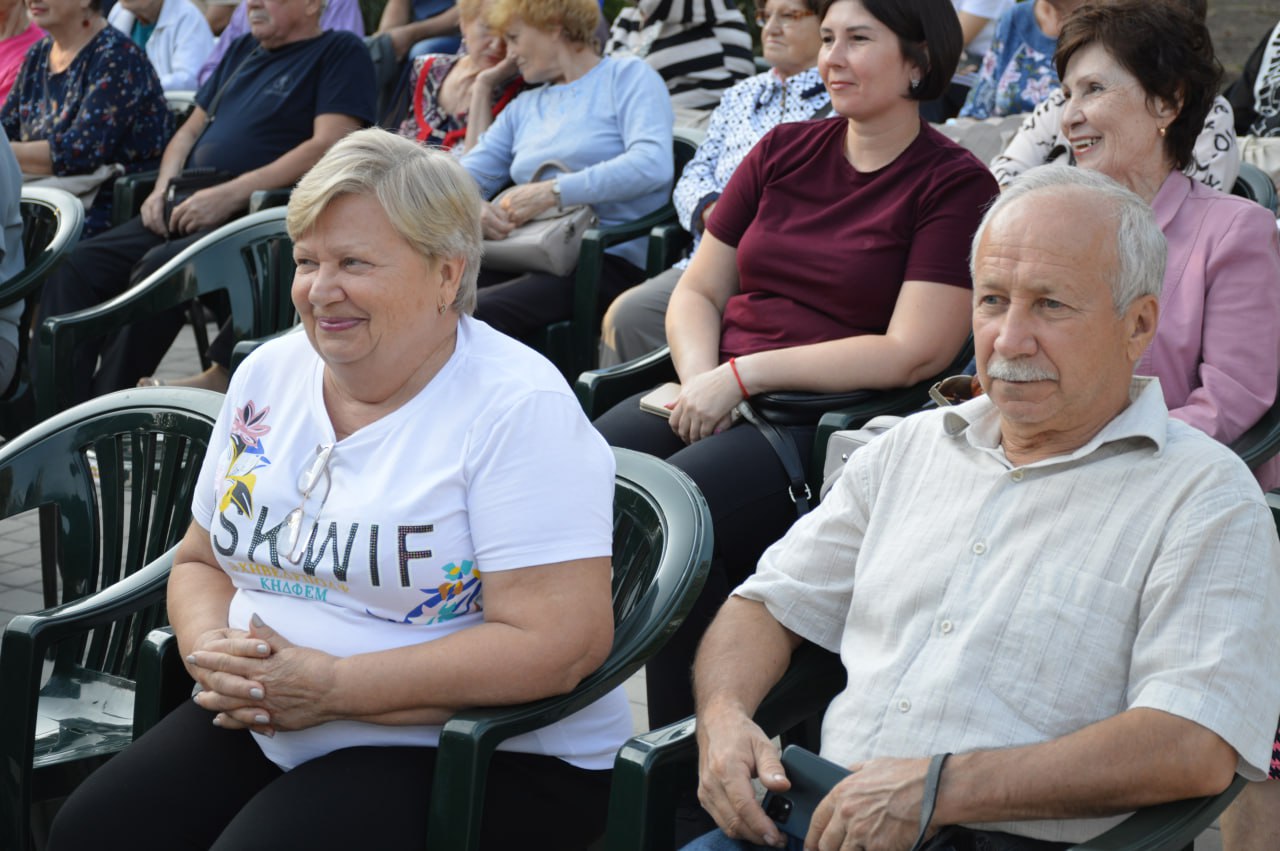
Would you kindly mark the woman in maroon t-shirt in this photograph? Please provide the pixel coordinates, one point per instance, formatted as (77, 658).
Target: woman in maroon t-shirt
(836, 260)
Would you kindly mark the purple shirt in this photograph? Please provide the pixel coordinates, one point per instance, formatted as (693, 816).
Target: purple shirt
(337, 15)
(823, 249)
(1217, 346)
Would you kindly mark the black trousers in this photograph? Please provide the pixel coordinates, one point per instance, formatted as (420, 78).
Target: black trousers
(189, 785)
(746, 488)
(519, 306)
(99, 269)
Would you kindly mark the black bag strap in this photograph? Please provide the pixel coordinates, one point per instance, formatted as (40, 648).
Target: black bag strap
(217, 99)
(785, 448)
(930, 802)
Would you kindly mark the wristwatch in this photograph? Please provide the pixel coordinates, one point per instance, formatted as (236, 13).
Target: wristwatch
(555, 190)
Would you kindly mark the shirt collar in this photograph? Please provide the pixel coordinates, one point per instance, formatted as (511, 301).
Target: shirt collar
(1145, 419)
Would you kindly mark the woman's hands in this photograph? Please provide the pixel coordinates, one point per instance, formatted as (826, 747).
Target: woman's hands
(524, 203)
(488, 79)
(494, 221)
(519, 205)
(705, 405)
(260, 680)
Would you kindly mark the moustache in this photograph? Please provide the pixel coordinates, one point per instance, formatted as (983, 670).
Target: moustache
(1005, 369)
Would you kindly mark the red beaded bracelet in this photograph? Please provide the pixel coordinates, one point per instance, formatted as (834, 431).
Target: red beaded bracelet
(733, 365)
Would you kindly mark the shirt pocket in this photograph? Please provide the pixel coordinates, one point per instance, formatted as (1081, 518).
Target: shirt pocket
(1062, 660)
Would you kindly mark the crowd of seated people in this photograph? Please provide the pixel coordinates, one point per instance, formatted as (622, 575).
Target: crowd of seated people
(85, 99)
(831, 254)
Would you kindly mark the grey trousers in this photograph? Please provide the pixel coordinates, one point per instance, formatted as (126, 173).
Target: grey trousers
(635, 324)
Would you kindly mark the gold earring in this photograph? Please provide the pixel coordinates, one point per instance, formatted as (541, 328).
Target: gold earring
(441, 308)
(1162, 132)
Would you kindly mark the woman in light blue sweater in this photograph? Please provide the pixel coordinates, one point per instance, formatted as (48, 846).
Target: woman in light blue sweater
(607, 120)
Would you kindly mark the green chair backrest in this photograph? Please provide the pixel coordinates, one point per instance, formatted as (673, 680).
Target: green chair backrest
(661, 554)
(112, 480)
(52, 220)
(249, 259)
(1254, 183)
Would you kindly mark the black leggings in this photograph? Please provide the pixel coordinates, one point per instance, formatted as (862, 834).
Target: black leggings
(746, 488)
(189, 785)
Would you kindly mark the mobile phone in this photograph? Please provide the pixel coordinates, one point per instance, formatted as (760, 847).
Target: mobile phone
(812, 777)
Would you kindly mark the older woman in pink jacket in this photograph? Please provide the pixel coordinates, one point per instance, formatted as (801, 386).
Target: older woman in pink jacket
(1217, 349)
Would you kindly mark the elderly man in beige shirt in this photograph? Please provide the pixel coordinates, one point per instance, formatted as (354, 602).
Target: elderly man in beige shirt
(1066, 589)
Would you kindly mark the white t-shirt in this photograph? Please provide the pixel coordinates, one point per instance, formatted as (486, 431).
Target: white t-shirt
(491, 467)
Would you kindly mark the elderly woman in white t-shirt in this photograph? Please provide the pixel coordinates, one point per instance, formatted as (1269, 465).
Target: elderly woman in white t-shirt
(402, 513)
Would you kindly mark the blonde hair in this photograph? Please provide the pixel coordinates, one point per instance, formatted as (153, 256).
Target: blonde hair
(431, 200)
(470, 10)
(577, 19)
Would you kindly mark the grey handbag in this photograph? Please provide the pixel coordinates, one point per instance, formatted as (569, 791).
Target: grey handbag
(549, 242)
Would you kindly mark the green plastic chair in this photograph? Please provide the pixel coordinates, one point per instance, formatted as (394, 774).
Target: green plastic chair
(600, 389)
(650, 768)
(661, 553)
(572, 344)
(112, 481)
(1254, 184)
(51, 223)
(250, 260)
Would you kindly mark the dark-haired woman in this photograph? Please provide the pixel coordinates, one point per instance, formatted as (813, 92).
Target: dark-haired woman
(835, 260)
(85, 97)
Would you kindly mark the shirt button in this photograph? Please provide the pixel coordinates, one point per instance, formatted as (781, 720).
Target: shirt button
(1016, 475)
(979, 548)
(904, 705)
(945, 626)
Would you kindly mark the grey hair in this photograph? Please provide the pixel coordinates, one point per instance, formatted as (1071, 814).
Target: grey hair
(1141, 250)
(431, 200)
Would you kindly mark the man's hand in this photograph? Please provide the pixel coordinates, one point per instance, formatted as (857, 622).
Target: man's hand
(706, 404)
(206, 209)
(494, 222)
(731, 751)
(877, 808)
(524, 203)
(153, 210)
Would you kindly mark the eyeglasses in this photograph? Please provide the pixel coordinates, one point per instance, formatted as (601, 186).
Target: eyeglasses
(786, 17)
(308, 479)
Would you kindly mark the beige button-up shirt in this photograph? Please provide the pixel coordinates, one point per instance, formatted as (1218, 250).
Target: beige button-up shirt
(980, 605)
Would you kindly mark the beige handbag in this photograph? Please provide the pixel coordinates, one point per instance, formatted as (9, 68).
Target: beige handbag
(548, 243)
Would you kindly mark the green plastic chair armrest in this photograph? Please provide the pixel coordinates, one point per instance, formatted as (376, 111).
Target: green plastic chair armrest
(1165, 827)
(665, 244)
(599, 390)
(265, 199)
(585, 326)
(1261, 442)
(127, 194)
(163, 682)
(173, 284)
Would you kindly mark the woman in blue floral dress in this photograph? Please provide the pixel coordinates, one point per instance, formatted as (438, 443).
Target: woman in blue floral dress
(86, 96)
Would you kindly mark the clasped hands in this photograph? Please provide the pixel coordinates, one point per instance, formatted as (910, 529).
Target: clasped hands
(258, 680)
(518, 205)
(877, 808)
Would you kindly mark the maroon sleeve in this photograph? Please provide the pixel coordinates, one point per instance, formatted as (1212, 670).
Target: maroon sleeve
(951, 207)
